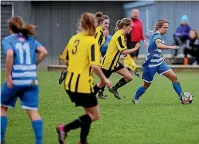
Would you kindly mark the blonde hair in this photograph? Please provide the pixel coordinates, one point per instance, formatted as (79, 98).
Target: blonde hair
(196, 33)
(159, 24)
(123, 22)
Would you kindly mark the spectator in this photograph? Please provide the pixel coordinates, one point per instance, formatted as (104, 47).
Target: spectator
(107, 40)
(136, 34)
(182, 33)
(192, 47)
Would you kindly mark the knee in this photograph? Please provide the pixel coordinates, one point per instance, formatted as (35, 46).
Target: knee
(4, 111)
(33, 115)
(94, 116)
(146, 85)
(174, 79)
(129, 78)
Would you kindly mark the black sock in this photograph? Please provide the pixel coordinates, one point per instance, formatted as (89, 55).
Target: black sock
(96, 89)
(102, 89)
(84, 133)
(82, 120)
(121, 83)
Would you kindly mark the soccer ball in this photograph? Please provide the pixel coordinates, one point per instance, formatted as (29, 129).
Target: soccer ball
(187, 98)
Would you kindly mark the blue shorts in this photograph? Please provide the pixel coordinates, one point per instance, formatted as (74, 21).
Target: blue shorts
(27, 94)
(149, 72)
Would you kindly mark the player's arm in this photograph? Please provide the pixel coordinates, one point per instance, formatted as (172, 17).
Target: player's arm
(94, 56)
(160, 45)
(121, 45)
(128, 51)
(42, 52)
(9, 61)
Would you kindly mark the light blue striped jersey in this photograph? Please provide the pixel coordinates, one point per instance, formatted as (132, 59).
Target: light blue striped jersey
(24, 60)
(154, 57)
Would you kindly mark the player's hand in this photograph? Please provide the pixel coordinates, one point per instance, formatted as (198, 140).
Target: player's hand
(174, 47)
(107, 83)
(9, 81)
(137, 46)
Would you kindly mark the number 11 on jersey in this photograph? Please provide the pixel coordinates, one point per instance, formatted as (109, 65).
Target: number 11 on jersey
(24, 49)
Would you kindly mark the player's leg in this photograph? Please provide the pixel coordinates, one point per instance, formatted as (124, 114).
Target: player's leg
(127, 77)
(29, 101)
(89, 103)
(147, 76)
(176, 85)
(100, 84)
(8, 100)
(94, 113)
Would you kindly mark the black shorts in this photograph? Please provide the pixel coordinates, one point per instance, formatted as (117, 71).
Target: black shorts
(131, 45)
(108, 73)
(82, 99)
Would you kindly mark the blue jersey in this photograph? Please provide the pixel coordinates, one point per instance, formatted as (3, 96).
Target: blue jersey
(24, 60)
(154, 56)
(105, 46)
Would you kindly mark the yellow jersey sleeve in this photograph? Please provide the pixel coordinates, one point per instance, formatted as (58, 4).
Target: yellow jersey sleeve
(64, 56)
(94, 54)
(120, 43)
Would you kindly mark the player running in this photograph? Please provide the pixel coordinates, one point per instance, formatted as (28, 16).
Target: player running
(82, 55)
(21, 77)
(103, 24)
(110, 62)
(156, 63)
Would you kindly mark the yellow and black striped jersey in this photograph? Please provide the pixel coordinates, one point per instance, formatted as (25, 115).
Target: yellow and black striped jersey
(81, 52)
(99, 36)
(115, 47)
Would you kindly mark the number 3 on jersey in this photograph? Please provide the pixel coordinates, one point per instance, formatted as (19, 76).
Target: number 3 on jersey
(24, 49)
(74, 51)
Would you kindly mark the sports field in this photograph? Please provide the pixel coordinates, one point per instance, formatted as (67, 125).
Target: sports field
(158, 119)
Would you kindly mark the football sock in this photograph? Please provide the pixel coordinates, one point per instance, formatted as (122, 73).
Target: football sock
(81, 121)
(102, 89)
(178, 89)
(37, 126)
(139, 92)
(96, 89)
(4, 121)
(84, 132)
(121, 83)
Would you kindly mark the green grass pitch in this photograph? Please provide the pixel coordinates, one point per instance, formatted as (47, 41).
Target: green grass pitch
(159, 119)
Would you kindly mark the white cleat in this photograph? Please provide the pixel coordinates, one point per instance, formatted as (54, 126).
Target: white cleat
(136, 101)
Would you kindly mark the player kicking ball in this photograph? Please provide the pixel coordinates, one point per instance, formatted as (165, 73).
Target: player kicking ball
(156, 63)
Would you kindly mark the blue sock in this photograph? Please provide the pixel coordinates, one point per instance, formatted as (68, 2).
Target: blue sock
(37, 126)
(139, 92)
(178, 89)
(4, 121)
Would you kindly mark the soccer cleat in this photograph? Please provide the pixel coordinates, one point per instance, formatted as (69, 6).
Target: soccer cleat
(101, 95)
(62, 76)
(115, 93)
(136, 101)
(61, 134)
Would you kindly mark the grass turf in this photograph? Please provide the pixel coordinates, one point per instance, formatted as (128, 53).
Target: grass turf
(159, 119)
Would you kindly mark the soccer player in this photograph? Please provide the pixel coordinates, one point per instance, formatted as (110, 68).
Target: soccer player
(21, 77)
(82, 55)
(156, 63)
(103, 24)
(110, 62)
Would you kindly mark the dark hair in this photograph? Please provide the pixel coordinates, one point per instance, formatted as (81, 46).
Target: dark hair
(16, 24)
(88, 23)
(123, 22)
(159, 24)
(100, 17)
